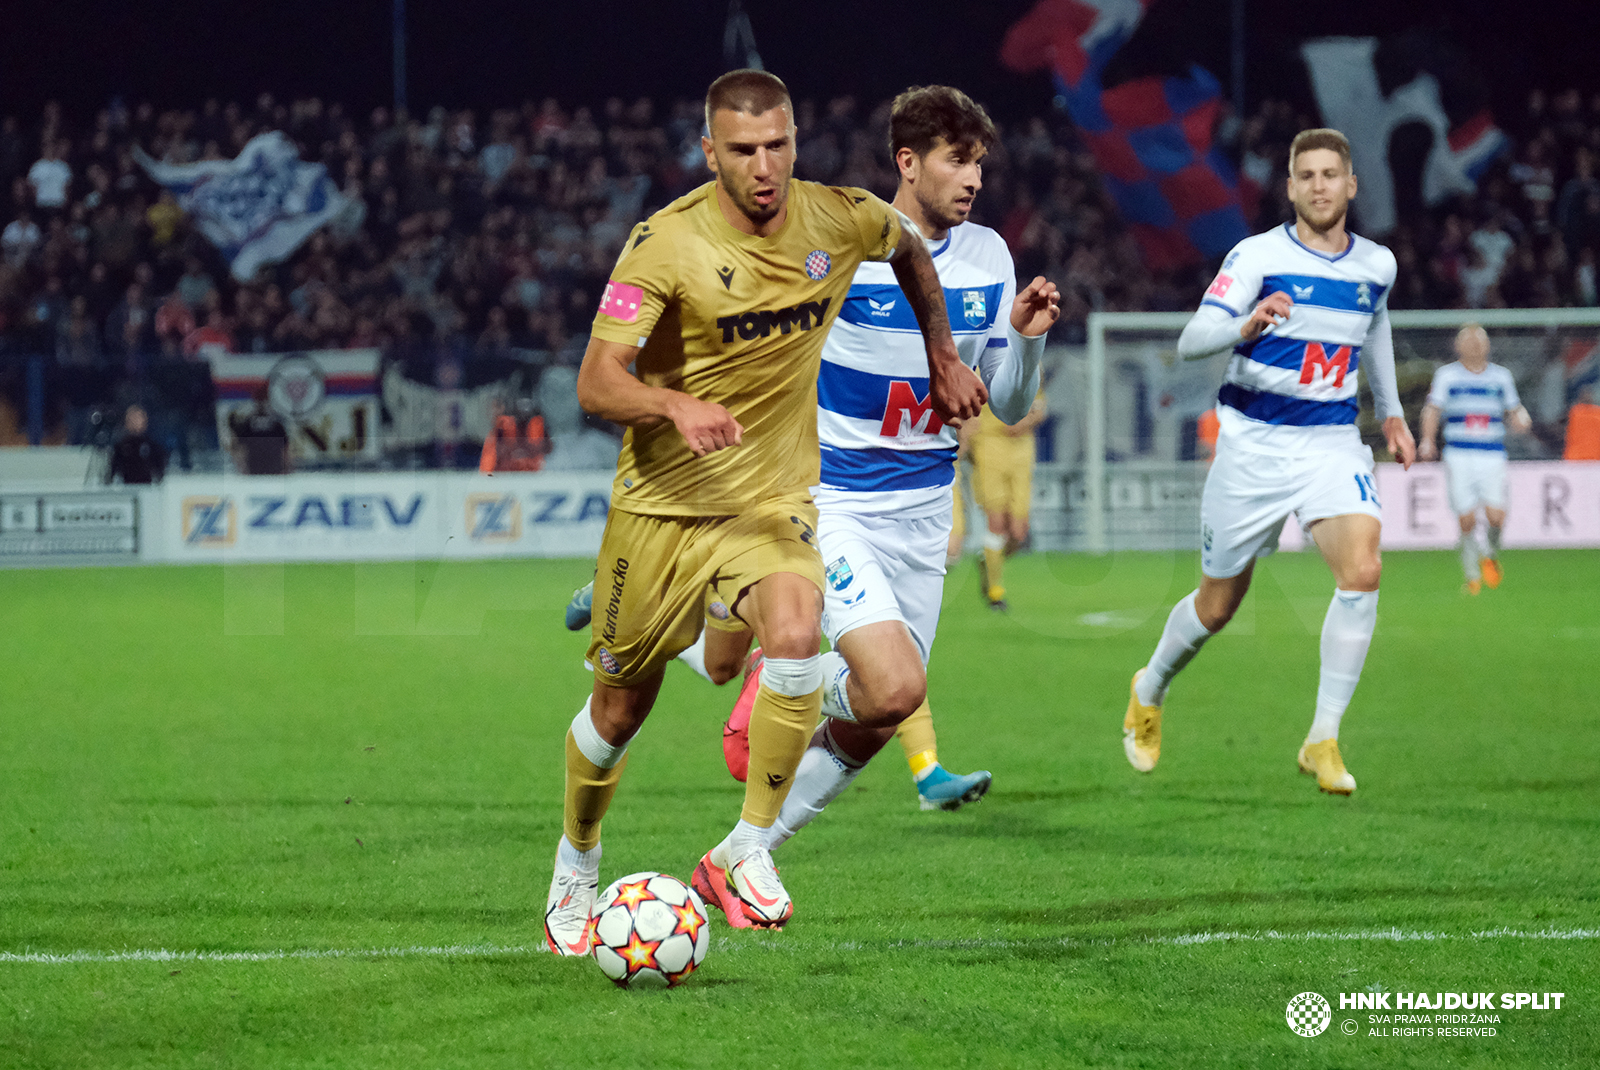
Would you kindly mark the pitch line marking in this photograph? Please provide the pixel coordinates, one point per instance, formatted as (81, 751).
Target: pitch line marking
(1396, 935)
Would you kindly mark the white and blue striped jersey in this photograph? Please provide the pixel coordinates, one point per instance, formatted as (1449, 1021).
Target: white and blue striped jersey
(1295, 387)
(1474, 405)
(884, 449)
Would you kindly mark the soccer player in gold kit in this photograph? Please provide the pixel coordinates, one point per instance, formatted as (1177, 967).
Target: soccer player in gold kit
(721, 302)
(1002, 481)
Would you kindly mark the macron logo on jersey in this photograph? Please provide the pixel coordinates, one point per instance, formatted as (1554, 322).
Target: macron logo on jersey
(904, 407)
(1316, 360)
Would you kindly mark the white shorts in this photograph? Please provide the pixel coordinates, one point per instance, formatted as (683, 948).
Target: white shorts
(1474, 478)
(1248, 496)
(882, 568)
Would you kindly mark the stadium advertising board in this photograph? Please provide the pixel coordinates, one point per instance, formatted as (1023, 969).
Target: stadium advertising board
(1549, 505)
(68, 525)
(378, 516)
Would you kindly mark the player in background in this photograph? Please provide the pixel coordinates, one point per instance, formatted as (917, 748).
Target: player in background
(1302, 306)
(1002, 478)
(1206, 429)
(1476, 399)
(961, 488)
(721, 302)
(888, 461)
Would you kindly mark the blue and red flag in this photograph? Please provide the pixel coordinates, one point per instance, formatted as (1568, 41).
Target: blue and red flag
(1151, 136)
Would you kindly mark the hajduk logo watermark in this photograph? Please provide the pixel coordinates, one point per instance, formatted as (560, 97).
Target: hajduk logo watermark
(1465, 1014)
(1308, 1014)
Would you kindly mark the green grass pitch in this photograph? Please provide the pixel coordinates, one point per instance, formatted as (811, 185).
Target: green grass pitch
(290, 762)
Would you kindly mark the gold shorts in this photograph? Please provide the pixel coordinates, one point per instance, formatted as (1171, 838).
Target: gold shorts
(719, 614)
(650, 589)
(1002, 473)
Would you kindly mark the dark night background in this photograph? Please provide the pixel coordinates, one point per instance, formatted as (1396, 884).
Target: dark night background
(484, 53)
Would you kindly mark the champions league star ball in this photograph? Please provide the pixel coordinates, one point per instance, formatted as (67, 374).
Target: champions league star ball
(649, 930)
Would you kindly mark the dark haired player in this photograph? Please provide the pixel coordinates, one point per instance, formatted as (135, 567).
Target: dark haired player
(888, 463)
(1302, 306)
(721, 302)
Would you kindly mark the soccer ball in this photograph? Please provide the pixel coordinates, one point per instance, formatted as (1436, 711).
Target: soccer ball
(649, 930)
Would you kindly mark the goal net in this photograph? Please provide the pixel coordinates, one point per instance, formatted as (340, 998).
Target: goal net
(1126, 457)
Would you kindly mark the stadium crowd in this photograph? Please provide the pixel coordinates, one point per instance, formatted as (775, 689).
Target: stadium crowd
(473, 243)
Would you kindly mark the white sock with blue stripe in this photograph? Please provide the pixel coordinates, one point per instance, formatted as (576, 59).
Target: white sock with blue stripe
(824, 773)
(836, 687)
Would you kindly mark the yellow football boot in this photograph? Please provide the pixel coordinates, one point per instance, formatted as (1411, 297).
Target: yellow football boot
(1141, 730)
(1322, 759)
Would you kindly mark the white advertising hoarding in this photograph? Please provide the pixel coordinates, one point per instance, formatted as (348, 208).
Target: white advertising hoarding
(382, 516)
(69, 524)
(1549, 505)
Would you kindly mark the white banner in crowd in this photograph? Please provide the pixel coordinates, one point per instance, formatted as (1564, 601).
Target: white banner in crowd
(1549, 505)
(256, 208)
(326, 398)
(1346, 85)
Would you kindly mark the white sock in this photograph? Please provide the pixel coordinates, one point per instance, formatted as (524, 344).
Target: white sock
(1494, 543)
(1469, 555)
(597, 750)
(742, 841)
(1180, 640)
(569, 857)
(836, 687)
(1346, 635)
(825, 772)
(695, 657)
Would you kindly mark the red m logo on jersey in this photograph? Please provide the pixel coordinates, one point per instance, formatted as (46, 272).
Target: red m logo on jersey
(1317, 358)
(904, 408)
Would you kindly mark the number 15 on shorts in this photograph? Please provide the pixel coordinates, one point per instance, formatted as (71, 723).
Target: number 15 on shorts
(1367, 487)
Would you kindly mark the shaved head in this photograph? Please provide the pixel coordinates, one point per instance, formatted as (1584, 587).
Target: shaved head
(1472, 346)
(749, 91)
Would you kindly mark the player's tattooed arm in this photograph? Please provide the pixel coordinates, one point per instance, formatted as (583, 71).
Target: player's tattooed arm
(610, 391)
(955, 392)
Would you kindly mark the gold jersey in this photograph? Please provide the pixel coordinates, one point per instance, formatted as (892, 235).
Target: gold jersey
(738, 320)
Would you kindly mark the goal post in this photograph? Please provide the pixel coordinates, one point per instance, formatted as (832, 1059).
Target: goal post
(1134, 484)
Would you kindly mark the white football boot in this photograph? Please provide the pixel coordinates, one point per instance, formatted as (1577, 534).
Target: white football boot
(761, 894)
(566, 912)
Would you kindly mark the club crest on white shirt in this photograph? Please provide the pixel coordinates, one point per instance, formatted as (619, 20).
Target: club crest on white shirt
(972, 304)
